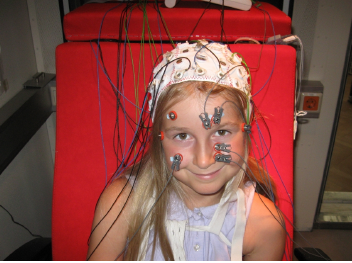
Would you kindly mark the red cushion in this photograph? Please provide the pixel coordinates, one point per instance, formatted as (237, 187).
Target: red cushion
(84, 23)
(79, 166)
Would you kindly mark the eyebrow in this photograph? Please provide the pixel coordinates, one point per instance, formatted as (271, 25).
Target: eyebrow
(218, 127)
(226, 124)
(175, 128)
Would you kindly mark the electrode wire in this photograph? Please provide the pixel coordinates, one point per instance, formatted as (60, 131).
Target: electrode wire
(13, 220)
(217, 83)
(99, 98)
(263, 162)
(141, 149)
(139, 128)
(281, 222)
(205, 46)
(194, 28)
(156, 6)
(277, 171)
(273, 67)
(156, 90)
(113, 223)
(281, 215)
(98, 84)
(157, 199)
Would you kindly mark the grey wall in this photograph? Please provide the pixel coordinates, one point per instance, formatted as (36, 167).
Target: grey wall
(46, 30)
(17, 50)
(30, 30)
(324, 28)
(26, 190)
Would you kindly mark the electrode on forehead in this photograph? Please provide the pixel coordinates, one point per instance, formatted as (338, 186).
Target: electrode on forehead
(218, 112)
(172, 115)
(199, 61)
(161, 135)
(205, 120)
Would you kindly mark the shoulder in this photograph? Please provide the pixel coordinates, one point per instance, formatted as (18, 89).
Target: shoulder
(265, 231)
(110, 223)
(118, 189)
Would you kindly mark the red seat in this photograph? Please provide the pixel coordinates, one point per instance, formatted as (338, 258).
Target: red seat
(85, 93)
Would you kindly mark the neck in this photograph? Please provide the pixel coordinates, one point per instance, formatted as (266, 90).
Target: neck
(194, 200)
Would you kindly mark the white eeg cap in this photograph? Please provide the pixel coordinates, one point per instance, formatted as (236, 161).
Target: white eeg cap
(200, 61)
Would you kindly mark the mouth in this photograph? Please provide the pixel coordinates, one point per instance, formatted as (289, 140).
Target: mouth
(208, 176)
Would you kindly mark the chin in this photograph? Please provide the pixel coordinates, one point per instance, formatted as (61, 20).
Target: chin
(211, 190)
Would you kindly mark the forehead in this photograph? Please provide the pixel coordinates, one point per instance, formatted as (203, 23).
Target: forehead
(189, 109)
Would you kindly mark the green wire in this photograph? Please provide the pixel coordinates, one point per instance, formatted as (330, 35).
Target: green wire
(167, 31)
(132, 62)
(247, 68)
(250, 83)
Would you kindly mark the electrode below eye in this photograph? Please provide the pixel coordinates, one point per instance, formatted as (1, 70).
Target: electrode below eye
(222, 147)
(222, 158)
(176, 161)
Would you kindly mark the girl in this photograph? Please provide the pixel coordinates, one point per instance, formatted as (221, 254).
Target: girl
(192, 195)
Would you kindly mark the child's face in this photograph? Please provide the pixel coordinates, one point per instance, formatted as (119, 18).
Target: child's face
(200, 176)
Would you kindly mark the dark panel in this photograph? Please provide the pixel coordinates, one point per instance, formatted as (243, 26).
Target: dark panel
(22, 122)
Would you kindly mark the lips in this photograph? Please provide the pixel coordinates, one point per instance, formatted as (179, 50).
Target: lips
(208, 176)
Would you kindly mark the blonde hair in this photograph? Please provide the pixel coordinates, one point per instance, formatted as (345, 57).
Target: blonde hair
(153, 171)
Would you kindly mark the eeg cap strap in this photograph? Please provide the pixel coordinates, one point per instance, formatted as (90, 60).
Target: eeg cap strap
(200, 61)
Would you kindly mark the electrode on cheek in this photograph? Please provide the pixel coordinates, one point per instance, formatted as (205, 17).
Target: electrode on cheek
(161, 135)
(222, 158)
(176, 162)
(222, 147)
(246, 128)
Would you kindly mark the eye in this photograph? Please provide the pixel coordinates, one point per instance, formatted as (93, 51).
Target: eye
(221, 133)
(182, 136)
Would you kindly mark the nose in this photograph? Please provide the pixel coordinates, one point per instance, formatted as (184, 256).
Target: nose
(204, 155)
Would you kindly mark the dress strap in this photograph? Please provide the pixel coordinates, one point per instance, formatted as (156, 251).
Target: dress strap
(176, 230)
(238, 235)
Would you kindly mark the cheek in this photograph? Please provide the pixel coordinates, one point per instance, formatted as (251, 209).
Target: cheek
(239, 147)
(171, 149)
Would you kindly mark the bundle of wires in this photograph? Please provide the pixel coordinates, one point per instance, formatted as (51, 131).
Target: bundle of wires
(140, 121)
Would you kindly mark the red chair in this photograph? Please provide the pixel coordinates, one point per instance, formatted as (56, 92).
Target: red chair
(86, 103)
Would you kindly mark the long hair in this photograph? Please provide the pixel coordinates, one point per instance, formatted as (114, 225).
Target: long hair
(153, 171)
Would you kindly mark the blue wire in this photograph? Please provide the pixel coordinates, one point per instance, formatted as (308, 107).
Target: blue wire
(161, 39)
(261, 140)
(277, 171)
(134, 138)
(99, 98)
(111, 83)
(98, 84)
(272, 70)
(101, 129)
(123, 90)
